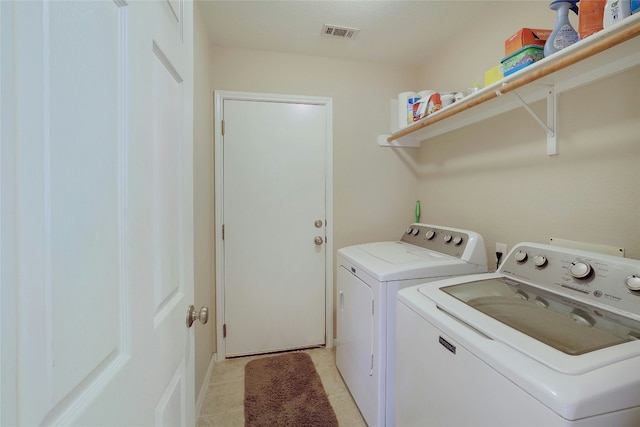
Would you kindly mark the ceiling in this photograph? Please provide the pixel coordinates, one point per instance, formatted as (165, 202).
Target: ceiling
(404, 32)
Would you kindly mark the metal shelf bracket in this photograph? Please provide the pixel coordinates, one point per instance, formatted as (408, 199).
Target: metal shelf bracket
(551, 126)
(403, 142)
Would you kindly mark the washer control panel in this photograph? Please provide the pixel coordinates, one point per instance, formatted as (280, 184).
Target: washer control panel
(596, 278)
(448, 241)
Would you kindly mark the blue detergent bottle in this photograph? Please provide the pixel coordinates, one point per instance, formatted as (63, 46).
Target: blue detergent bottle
(563, 34)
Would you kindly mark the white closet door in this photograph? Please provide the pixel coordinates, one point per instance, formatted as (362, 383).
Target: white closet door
(97, 166)
(274, 192)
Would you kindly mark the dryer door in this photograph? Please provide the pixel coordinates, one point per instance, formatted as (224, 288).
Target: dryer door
(355, 342)
(354, 349)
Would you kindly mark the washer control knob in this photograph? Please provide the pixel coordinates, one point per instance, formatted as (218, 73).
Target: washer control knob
(430, 235)
(541, 302)
(520, 256)
(540, 260)
(457, 240)
(633, 282)
(447, 238)
(582, 318)
(409, 230)
(580, 269)
(415, 231)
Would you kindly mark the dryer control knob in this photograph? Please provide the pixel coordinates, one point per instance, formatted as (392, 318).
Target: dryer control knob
(430, 235)
(540, 260)
(409, 230)
(415, 231)
(447, 238)
(633, 282)
(520, 256)
(580, 269)
(457, 240)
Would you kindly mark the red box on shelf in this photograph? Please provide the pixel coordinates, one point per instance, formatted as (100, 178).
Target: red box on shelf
(525, 37)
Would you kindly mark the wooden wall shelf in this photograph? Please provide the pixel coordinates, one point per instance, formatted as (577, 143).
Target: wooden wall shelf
(603, 54)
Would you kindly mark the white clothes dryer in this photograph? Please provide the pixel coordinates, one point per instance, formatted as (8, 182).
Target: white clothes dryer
(368, 279)
(551, 339)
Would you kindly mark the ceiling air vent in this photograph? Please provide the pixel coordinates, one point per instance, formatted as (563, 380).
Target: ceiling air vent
(342, 32)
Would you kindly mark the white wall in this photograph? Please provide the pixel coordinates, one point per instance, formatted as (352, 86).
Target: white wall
(495, 177)
(203, 201)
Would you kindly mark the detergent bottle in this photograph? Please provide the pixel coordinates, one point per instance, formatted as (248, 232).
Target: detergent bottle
(590, 17)
(615, 11)
(563, 34)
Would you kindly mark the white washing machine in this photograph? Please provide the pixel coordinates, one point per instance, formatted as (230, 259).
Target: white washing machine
(369, 277)
(551, 339)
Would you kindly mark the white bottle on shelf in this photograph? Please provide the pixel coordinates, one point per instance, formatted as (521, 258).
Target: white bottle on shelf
(615, 11)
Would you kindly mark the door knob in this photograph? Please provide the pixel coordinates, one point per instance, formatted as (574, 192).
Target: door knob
(193, 315)
(318, 240)
(318, 223)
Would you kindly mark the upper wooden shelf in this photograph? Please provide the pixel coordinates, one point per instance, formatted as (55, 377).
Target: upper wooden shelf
(603, 54)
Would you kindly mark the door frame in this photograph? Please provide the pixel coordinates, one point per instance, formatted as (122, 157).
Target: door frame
(219, 98)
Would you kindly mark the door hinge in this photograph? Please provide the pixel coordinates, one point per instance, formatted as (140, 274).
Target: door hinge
(222, 231)
(222, 127)
(224, 330)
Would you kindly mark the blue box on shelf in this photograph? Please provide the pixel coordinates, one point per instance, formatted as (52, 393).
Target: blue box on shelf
(521, 58)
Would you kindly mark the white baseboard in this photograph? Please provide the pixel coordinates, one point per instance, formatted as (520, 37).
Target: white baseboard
(205, 385)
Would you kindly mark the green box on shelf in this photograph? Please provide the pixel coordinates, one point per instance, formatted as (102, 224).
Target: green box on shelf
(521, 58)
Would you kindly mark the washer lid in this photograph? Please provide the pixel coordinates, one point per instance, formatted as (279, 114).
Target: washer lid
(387, 261)
(564, 324)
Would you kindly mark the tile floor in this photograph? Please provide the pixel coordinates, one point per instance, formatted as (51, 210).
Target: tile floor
(224, 402)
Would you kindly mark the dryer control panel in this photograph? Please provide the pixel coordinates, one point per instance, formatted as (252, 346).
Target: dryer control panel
(588, 276)
(449, 241)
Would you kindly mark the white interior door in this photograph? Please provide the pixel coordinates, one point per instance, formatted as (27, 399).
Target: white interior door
(275, 179)
(97, 263)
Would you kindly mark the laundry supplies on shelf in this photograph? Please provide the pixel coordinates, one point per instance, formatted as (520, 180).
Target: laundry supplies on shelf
(414, 106)
(521, 58)
(525, 37)
(563, 35)
(615, 11)
(590, 17)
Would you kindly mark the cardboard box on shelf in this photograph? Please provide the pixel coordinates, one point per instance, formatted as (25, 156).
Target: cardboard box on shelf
(525, 37)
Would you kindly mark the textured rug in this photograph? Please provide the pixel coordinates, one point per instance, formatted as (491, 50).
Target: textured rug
(285, 390)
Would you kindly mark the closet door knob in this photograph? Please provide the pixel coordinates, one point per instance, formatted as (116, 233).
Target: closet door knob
(193, 315)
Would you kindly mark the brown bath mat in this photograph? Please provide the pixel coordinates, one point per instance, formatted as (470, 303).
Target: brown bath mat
(285, 390)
